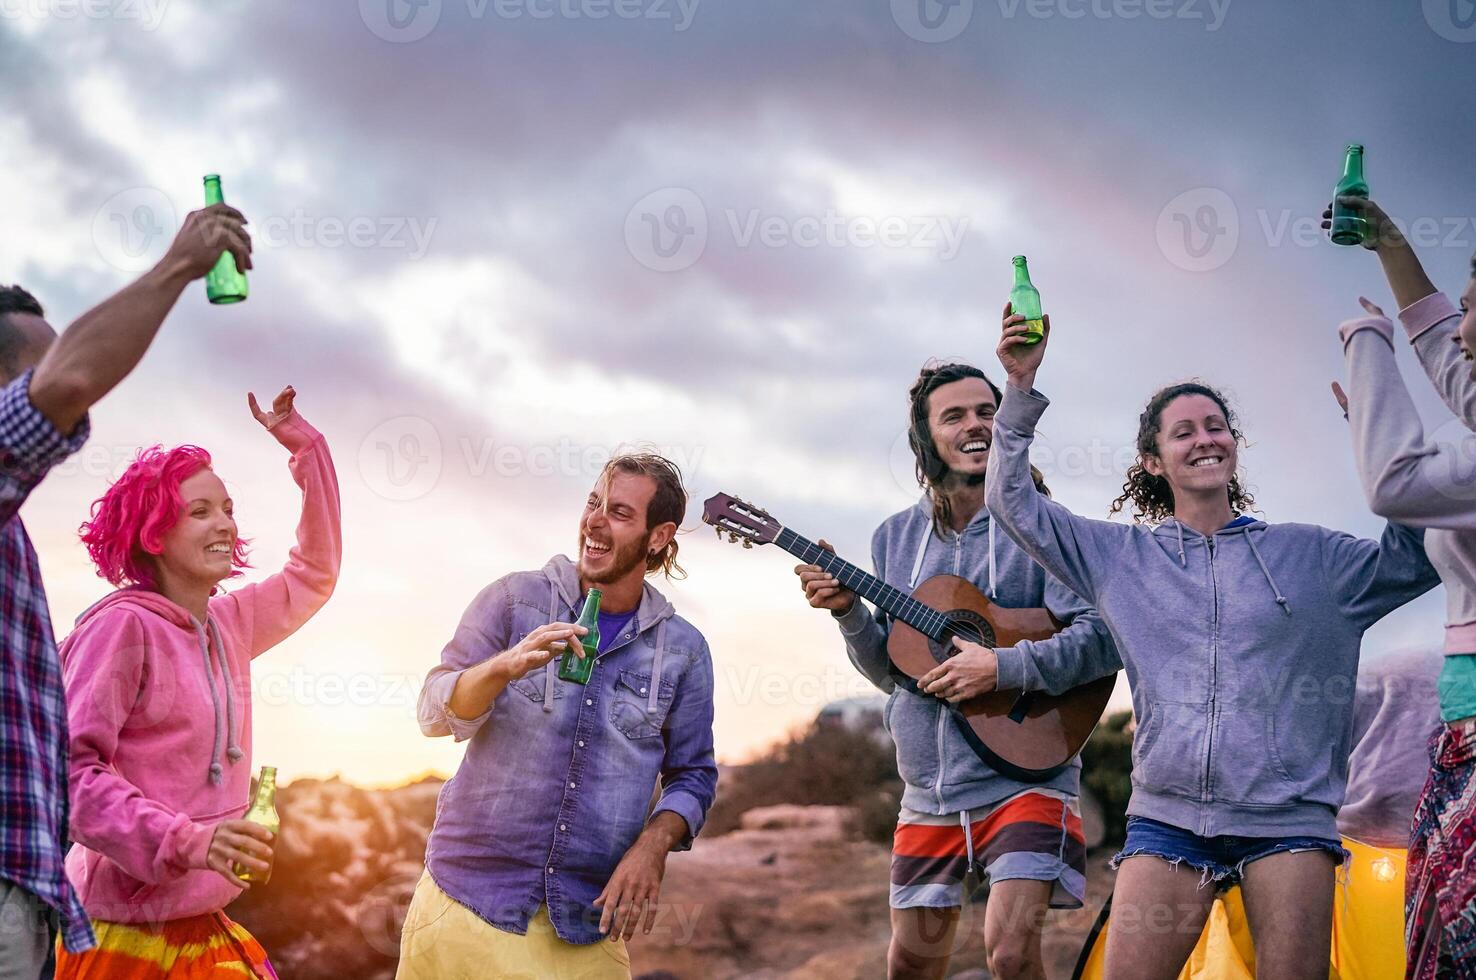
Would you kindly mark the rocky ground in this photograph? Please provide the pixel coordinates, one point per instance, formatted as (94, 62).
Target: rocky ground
(788, 895)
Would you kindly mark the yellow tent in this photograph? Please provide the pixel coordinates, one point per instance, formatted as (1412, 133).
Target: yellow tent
(1368, 927)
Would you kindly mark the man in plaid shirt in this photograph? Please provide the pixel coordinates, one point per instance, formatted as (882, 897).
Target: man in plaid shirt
(47, 384)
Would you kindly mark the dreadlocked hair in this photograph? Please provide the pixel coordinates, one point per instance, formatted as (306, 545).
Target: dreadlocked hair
(929, 466)
(1151, 497)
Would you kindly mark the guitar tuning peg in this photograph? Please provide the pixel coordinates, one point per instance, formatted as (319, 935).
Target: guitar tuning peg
(719, 532)
(747, 543)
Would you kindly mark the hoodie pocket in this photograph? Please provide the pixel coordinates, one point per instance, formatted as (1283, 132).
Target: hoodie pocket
(1168, 750)
(1247, 767)
(630, 706)
(913, 722)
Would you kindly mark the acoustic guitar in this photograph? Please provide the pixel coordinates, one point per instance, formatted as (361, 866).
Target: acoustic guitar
(1030, 736)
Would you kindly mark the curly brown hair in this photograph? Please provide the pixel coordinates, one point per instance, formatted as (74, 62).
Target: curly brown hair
(1152, 499)
(930, 468)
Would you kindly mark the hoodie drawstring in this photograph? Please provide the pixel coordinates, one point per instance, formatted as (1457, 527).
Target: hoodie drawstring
(1183, 562)
(1281, 600)
(656, 667)
(993, 593)
(922, 552)
(233, 749)
(550, 669)
(215, 772)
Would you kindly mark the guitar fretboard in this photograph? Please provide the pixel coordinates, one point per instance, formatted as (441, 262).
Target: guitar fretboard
(898, 604)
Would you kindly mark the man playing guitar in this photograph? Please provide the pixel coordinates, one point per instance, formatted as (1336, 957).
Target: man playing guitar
(960, 816)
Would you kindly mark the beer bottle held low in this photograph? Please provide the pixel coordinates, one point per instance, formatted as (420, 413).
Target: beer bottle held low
(574, 667)
(1025, 300)
(224, 283)
(263, 813)
(1349, 226)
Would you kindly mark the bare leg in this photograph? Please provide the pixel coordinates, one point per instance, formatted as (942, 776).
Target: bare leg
(1013, 918)
(1158, 913)
(922, 943)
(1289, 902)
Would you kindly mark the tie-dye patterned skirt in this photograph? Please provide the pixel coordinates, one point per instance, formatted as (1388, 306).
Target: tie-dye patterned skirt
(1440, 886)
(202, 947)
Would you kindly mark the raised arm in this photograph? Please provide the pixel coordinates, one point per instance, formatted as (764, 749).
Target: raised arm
(1429, 318)
(1076, 550)
(1406, 476)
(30, 445)
(1080, 653)
(1370, 579)
(107, 342)
(272, 610)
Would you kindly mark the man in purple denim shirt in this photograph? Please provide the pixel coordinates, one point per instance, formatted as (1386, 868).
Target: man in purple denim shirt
(542, 845)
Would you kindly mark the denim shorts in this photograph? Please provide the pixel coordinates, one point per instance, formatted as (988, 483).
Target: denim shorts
(1221, 859)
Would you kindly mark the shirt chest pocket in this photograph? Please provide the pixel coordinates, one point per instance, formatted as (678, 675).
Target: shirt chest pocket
(631, 710)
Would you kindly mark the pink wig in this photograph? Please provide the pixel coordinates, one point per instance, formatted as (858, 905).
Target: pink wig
(129, 522)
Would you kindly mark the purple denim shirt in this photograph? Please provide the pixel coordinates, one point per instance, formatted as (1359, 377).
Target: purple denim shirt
(557, 780)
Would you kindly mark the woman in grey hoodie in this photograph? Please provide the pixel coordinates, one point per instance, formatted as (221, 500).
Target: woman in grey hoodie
(1240, 640)
(1427, 481)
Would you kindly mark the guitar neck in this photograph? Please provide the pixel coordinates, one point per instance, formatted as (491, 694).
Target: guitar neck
(896, 603)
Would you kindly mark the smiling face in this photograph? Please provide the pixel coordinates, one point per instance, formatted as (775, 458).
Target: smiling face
(197, 549)
(1196, 449)
(961, 422)
(1466, 332)
(613, 537)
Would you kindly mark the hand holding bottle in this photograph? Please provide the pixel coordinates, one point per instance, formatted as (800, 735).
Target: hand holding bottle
(537, 649)
(1380, 230)
(1019, 353)
(203, 236)
(240, 842)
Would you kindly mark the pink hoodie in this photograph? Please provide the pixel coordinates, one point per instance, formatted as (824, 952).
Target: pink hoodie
(159, 707)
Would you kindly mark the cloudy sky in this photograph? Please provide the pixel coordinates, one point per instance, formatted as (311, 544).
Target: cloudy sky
(497, 239)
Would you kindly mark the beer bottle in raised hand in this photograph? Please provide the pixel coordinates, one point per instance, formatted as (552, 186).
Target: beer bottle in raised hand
(1025, 300)
(224, 283)
(1349, 226)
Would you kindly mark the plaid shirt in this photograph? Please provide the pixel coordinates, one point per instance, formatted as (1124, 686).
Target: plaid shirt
(33, 711)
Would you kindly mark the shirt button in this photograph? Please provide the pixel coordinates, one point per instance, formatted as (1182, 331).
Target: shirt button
(581, 743)
(563, 827)
(591, 701)
(571, 785)
(643, 690)
(550, 870)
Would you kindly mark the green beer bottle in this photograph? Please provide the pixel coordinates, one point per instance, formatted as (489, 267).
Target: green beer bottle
(225, 283)
(1025, 300)
(574, 667)
(1348, 226)
(263, 813)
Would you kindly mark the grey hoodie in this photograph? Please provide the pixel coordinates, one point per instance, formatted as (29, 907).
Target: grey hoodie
(1241, 647)
(942, 772)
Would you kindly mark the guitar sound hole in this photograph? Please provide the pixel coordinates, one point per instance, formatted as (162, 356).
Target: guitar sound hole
(967, 626)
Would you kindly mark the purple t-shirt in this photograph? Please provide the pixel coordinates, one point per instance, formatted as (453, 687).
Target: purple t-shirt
(612, 625)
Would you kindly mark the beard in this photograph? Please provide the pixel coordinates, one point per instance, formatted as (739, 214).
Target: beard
(623, 560)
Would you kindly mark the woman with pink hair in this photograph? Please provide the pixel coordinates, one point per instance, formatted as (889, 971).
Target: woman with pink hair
(159, 705)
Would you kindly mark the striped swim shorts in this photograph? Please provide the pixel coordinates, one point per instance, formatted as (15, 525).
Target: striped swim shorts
(1035, 835)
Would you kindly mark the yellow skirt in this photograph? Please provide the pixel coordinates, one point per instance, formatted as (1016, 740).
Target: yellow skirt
(444, 940)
